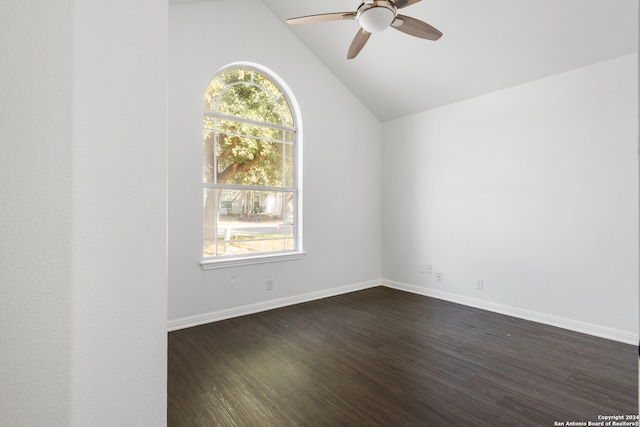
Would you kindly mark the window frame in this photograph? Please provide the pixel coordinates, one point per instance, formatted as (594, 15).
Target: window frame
(223, 261)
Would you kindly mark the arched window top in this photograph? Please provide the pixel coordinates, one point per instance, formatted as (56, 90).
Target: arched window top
(247, 93)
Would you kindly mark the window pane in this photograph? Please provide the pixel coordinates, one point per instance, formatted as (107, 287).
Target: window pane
(248, 247)
(289, 166)
(288, 137)
(289, 217)
(209, 123)
(243, 129)
(235, 75)
(244, 221)
(250, 102)
(287, 117)
(266, 84)
(209, 168)
(210, 215)
(248, 161)
(224, 80)
(211, 94)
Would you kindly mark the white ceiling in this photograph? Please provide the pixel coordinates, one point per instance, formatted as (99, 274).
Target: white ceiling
(487, 45)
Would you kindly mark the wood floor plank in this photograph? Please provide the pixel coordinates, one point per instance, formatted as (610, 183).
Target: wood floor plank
(383, 357)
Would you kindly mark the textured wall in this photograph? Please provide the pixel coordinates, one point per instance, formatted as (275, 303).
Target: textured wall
(83, 213)
(119, 208)
(35, 212)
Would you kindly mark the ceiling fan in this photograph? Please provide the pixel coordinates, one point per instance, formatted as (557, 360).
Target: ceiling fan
(375, 16)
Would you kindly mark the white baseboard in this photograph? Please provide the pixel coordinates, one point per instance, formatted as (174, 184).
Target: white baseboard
(201, 319)
(547, 319)
(561, 322)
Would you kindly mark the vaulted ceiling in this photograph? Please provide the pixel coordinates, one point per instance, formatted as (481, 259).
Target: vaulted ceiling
(488, 45)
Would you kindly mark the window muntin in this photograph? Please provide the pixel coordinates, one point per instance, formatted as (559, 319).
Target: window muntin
(250, 167)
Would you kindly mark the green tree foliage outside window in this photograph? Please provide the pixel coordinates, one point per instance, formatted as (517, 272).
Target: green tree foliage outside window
(249, 173)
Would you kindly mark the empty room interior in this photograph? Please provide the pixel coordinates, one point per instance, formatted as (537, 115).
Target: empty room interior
(495, 168)
(460, 233)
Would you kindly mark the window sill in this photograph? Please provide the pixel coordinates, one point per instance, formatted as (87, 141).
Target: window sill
(212, 264)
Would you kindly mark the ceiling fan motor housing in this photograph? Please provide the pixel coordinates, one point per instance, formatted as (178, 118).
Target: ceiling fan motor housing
(376, 16)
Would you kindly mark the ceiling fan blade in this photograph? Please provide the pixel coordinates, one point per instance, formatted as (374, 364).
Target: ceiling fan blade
(323, 17)
(416, 28)
(358, 43)
(404, 3)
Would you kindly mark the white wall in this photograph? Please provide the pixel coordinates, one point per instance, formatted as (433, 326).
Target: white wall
(83, 267)
(342, 165)
(532, 189)
(35, 212)
(119, 213)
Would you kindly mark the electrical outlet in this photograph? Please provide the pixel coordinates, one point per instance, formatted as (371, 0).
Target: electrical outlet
(439, 277)
(269, 284)
(480, 285)
(423, 269)
(429, 269)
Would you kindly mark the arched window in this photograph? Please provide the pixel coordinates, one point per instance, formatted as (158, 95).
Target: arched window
(250, 172)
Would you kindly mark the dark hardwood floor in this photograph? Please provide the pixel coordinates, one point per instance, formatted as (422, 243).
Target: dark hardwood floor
(382, 357)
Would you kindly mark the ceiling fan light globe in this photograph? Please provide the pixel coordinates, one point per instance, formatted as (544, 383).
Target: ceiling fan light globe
(376, 19)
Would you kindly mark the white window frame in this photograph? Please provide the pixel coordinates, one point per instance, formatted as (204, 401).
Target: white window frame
(215, 262)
